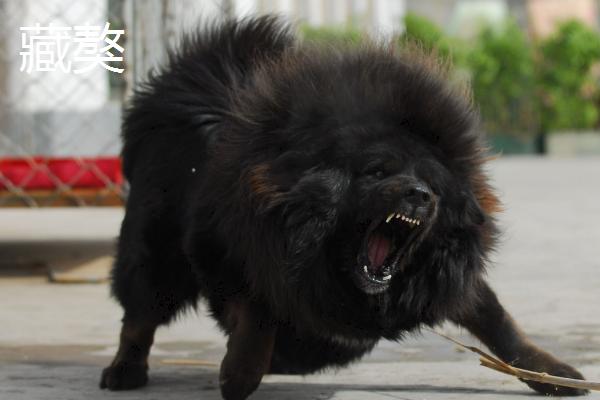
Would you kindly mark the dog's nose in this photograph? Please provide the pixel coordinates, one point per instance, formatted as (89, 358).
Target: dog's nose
(417, 195)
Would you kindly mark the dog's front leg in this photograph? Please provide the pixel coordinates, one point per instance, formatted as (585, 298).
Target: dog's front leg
(249, 351)
(491, 324)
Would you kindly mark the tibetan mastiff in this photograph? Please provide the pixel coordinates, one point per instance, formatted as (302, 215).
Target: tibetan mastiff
(320, 198)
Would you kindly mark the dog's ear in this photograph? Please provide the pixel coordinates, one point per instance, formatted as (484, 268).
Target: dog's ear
(305, 203)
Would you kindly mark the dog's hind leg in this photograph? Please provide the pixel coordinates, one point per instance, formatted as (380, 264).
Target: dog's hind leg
(491, 324)
(129, 369)
(153, 282)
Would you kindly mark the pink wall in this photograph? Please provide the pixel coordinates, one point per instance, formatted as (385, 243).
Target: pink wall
(545, 14)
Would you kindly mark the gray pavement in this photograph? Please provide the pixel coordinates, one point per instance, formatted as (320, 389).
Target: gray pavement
(54, 339)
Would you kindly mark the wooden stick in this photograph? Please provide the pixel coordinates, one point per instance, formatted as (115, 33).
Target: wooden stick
(496, 364)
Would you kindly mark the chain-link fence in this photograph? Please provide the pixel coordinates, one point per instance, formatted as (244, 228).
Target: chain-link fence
(58, 128)
(60, 105)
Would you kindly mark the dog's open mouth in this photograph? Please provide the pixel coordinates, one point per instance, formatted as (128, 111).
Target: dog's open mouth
(385, 243)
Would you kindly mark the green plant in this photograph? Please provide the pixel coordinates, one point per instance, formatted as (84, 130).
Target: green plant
(568, 93)
(503, 80)
(521, 90)
(429, 36)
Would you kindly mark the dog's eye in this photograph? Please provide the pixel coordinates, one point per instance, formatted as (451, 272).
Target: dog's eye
(375, 172)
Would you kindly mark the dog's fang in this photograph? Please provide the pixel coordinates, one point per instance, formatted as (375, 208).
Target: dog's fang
(366, 269)
(389, 218)
(387, 277)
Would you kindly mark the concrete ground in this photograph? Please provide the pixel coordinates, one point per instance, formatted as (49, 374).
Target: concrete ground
(55, 339)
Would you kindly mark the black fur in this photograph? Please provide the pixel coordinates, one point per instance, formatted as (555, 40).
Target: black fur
(257, 165)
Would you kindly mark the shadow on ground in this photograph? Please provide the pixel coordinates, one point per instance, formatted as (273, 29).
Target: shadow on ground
(68, 381)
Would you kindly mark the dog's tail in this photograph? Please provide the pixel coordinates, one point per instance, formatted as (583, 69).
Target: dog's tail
(194, 89)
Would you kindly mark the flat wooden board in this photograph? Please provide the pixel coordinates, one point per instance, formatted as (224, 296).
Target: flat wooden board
(95, 270)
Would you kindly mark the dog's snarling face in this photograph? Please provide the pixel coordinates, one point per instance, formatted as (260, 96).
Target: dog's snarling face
(395, 183)
(357, 165)
(362, 203)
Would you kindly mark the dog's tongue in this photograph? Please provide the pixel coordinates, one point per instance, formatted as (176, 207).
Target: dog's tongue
(379, 247)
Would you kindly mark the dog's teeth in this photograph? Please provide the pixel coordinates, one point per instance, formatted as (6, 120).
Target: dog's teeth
(418, 222)
(403, 218)
(397, 215)
(387, 277)
(389, 218)
(366, 269)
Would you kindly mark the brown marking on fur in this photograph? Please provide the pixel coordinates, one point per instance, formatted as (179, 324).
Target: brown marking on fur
(491, 157)
(233, 310)
(262, 187)
(135, 342)
(259, 181)
(488, 200)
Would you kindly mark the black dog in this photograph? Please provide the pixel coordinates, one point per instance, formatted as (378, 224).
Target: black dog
(320, 199)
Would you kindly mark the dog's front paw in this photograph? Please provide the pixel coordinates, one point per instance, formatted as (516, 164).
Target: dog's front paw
(123, 376)
(544, 362)
(238, 383)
